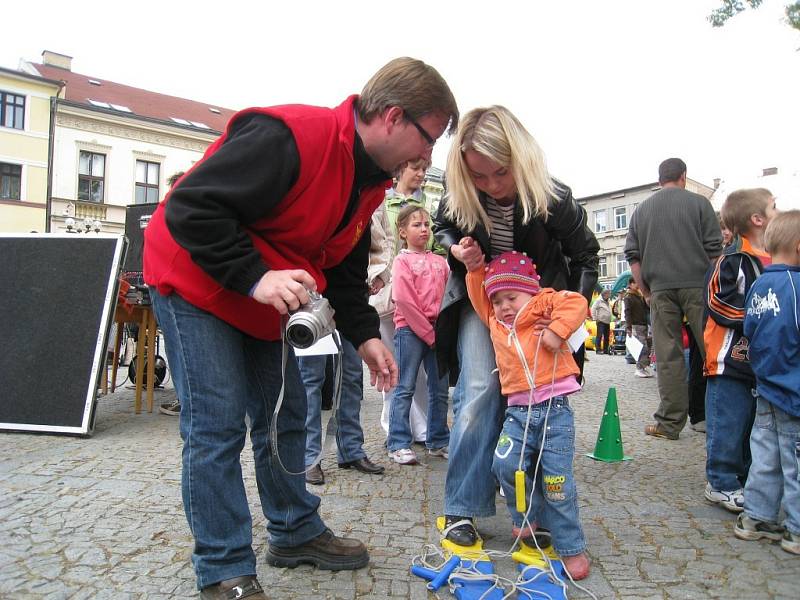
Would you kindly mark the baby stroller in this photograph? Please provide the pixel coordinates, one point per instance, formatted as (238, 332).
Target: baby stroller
(618, 345)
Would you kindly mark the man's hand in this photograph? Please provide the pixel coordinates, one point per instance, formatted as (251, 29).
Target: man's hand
(550, 340)
(285, 290)
(382, 368)
(468, 252)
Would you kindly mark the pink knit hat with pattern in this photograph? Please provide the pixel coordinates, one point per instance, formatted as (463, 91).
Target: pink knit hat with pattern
(512, 271)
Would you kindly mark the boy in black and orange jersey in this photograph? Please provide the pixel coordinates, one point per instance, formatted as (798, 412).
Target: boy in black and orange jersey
(730, 404)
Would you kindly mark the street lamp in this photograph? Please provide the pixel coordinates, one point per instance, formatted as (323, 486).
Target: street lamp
(87, 226)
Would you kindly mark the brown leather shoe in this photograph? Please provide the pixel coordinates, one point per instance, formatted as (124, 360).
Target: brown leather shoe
(230, 589)
(365, 465)
(315, 476)
(326, 551)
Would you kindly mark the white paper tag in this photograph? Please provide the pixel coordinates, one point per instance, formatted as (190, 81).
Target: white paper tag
(634, 346)
(577, 339)
(324, 346)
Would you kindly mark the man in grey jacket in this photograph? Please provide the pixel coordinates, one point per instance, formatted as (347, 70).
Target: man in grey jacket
(673, 237)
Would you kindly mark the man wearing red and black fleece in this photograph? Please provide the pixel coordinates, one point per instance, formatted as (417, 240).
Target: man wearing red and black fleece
(279, 205)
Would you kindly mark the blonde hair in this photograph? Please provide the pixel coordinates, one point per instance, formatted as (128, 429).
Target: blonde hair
(783, 232)
(412, 85)
(495, 133)
(404, 216)
(740, 205)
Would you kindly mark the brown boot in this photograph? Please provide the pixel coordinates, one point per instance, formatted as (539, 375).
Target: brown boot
(326, 551)
(230, 589)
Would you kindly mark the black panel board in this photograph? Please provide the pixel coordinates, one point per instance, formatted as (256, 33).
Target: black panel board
(135, 234)
(56, 309)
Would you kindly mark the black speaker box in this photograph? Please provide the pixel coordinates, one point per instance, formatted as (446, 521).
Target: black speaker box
(56, 310)
(136, 217)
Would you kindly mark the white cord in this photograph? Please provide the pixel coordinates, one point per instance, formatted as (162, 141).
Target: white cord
(273, 429)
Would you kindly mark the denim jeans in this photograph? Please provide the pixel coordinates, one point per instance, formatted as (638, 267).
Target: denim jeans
(555, 495)
(418, 416)
(775, 472)
(478, 417)
(411, 353)
(349, 435)
(730, 409)
(220, 375)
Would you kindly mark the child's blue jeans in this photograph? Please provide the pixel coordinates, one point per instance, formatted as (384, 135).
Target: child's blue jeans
(730, 410)
(410, 353)
(555, 497)
(775, 471)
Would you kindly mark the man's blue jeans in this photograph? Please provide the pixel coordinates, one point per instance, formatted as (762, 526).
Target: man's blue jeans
(555, 495)
(478, 417)
(349, 435)
(220, 375)
(775, 473)
(411, 353)
(730, 410)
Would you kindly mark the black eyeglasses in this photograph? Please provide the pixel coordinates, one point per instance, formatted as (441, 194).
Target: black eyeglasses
(425, 135)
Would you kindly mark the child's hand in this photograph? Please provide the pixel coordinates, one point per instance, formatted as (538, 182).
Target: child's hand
(551, 341)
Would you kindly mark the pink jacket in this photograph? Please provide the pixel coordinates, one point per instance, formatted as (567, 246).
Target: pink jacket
(418, 280)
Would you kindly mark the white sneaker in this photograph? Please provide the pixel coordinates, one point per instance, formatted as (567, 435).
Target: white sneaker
(641, 373)
(700, 426)
(732, 501)
(648, 372)
(440, 452)
(404, 456)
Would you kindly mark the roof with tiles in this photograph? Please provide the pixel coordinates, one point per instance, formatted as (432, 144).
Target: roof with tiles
(124, 99)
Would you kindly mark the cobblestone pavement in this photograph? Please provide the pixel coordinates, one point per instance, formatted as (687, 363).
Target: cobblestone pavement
(101, 517)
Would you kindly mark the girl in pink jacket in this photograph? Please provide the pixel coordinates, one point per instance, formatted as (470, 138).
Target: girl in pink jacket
(418, 281)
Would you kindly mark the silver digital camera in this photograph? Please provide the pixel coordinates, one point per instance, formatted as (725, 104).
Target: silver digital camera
(311, 322)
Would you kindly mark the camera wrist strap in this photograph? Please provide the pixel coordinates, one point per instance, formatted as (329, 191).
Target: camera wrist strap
(332, 429)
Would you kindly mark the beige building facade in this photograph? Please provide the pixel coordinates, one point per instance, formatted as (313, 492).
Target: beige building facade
(25, 116)
(110, 146)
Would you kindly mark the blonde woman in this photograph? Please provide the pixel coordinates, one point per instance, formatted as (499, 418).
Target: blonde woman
(501, 196)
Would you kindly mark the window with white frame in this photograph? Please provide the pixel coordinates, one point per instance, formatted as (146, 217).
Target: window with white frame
(602, 268)
(620, 217)
(91, 176)
(147, 177)
(12, 110)
(622, 264)
(600, 221)
(10, 181)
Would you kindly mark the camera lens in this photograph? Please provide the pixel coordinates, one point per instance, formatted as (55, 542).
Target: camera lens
(300, 336)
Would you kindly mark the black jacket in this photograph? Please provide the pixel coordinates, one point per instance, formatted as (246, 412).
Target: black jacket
(563, 248)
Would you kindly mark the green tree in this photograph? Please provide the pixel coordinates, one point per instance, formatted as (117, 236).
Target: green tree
(731, 8)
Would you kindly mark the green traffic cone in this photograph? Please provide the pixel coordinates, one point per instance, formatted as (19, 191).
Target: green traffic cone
(609, 439)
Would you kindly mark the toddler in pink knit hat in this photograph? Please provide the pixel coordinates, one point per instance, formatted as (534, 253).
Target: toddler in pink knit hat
(537, 375)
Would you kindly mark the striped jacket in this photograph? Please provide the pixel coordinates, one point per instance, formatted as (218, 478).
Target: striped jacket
(729, 281)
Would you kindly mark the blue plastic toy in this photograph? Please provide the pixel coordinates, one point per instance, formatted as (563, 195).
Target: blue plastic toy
(473, 559)
(536, 578)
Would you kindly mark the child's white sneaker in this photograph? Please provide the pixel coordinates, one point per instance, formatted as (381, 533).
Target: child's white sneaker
(403, 456)
(753, 529)
(733, 500)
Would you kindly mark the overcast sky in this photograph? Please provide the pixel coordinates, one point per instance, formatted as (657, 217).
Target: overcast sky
(608, 88)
